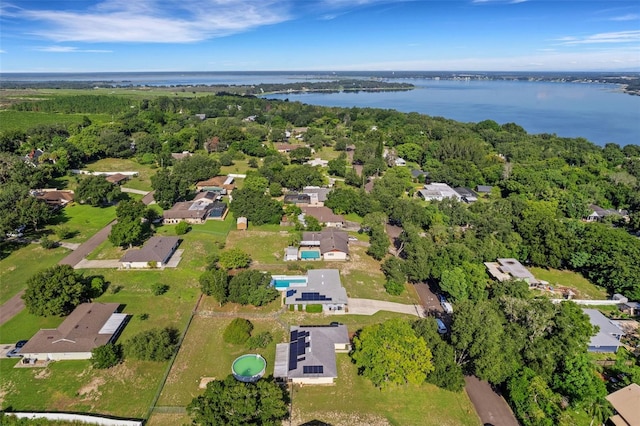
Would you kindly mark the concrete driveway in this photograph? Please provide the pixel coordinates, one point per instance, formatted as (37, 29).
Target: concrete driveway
(11, 307)
(370, 307)
(490, 406)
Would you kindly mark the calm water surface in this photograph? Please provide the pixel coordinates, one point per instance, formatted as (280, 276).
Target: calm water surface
(597, 112)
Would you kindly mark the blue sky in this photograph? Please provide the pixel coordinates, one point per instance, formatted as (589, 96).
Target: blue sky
(332, 35)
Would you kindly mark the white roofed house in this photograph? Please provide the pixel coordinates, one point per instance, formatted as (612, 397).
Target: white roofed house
(89, 326)
(310, 356)
(438, 192)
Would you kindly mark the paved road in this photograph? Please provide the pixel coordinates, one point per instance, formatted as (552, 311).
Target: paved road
(490, 406)
(11, 307)
(87, 247)
(133, 191)
(429, 300)
(370, 307)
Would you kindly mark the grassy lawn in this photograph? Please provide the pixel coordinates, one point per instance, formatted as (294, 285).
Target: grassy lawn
(24, 120)
(84, 220)
(142, 181)
(265, 247)
(580, 285)
(205, 354)
(19, 263)
(238, 167)
(24, 326)
(125, 390)
(355, 401)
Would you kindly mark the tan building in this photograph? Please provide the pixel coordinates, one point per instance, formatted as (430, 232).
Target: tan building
(626, 403)
(90, 325)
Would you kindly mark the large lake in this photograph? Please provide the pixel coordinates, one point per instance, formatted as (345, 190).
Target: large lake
(600, 113)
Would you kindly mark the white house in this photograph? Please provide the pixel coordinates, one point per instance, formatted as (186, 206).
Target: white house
(90, 325)
(437, 191)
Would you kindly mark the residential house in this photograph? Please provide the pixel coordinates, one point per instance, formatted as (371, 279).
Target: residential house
(626, 404)
(117, 178)
(297, 198)
(466, 194)
(510, 269)
(324, 215)
(220, 184)
(156, 252)
(400, 162)
(437, 191)
(33, 157)
(54, 198)
(597, 213)
(608, 337)
(417, 173)
(484, 189)
(194, 212)
(180, 155)
(329, 244)
(322, 287)
(318, 162)
(310, 356)
(89, 325)
(287, 147)
(317, 195)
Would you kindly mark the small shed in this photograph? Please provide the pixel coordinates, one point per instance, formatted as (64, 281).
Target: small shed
(241, 223)
(290, 254)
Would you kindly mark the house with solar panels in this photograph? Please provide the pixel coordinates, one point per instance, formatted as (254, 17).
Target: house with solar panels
(310, 356)
(319, 287)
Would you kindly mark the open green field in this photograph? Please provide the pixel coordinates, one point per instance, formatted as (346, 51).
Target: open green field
(142, 181)
(24, 325)
(24, 120)
(125, 390)
(238, 167)
(84, 220)
(204, 354)
(355, 401)
(579, 284)
(21, 262)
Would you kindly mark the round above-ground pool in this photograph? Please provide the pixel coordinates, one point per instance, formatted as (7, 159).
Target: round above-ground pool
(248, 368)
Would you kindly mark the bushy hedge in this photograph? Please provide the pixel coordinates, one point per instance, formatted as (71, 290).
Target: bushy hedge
(238, 331)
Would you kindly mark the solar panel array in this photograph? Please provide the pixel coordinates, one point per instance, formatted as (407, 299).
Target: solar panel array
(297, 348)
(313, 369)
(312, 297)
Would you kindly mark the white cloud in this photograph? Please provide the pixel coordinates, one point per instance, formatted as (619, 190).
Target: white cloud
(627, 17)
(155, 21)
(3, 51)
(69, 49)
(632, 36)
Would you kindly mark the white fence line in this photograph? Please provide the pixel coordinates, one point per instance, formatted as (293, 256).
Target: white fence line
(92, 420)
(86, 172)
(590, 302)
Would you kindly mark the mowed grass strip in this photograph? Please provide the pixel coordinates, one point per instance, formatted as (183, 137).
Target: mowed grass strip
(83, 220)
(25, 120)
(204, 354)
(583, 287)
(355, 401)
(125, 390)
(20, 262)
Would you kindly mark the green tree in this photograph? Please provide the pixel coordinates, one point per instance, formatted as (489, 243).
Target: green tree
(378, 243)
(168, 188)
(338, 166)
(231, 402)
(182, 228)
(56, 291)
(238, 331)
(300, 154)
(446, 373)
(391, 353)
(275, 189)
(534, 403)
(96, 190)
(215, 282)
(157, 344)
(195, 168)
(106, 356)
(257, 207)
(34, 212)
(256, 182)
(127, 233)
(251, 287)
(234, 259)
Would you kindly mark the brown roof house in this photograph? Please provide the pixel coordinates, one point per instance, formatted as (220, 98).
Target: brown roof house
(324, 215)
(117, 178)
(216, 184)
(331, 243)
(90, 325)
(54, 197)
(156, 252)
(626, 403)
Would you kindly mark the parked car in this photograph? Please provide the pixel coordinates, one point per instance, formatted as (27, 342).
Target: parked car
(14, 353)
(442, 329)
(442, 299)
(21, 343)
(447, 307)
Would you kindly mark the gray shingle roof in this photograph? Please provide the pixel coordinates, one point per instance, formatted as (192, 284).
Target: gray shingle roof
(608, 334)
(156, 249)
(330, 239)
(320, 351)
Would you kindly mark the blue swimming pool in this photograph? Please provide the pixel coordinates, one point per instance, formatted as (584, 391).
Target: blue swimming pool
(283, 281)
(310, 254)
